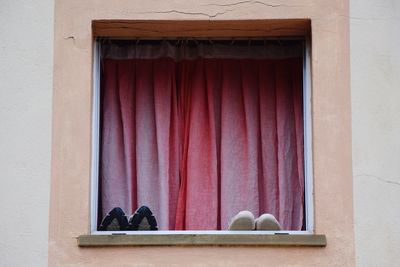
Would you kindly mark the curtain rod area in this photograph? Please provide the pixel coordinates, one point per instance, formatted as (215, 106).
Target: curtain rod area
(202, 38)
(205, 41)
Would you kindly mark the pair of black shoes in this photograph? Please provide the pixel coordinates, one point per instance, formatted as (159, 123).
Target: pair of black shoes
(116, 220)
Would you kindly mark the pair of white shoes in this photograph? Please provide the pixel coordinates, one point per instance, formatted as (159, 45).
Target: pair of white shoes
(244, 220)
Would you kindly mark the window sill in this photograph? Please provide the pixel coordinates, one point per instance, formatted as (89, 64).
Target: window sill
(231, 239)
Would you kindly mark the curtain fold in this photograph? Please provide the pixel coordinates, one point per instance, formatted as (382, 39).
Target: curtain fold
(199, 139)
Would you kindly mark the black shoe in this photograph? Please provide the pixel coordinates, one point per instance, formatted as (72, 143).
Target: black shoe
(143, 219)
(115, 220)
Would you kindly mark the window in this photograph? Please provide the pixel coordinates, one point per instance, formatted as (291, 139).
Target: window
(199, 130)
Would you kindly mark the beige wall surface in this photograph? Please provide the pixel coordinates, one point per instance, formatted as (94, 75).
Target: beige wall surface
(375, 89)
(70, 187)
(26, 67)
(25, 115)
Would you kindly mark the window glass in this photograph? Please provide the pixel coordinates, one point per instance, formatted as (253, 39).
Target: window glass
(198, 131)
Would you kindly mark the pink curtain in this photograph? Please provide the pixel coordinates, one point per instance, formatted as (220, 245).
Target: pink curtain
(199, 140)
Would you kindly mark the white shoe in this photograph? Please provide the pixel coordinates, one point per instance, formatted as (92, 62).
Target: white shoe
(267, 222)
(244, 220)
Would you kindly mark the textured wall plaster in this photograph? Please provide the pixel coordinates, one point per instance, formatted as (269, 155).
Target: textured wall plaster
(375, 83)
(26, 45)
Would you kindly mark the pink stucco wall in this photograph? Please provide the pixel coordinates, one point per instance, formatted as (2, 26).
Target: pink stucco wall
(71, 147)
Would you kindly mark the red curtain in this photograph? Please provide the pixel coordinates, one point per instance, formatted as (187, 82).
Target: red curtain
(199, 140)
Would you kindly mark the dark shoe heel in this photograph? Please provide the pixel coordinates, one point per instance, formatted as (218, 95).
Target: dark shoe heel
(107, 223)
(137, 218)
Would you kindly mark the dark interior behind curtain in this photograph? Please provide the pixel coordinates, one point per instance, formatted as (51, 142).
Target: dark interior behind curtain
(199, 140)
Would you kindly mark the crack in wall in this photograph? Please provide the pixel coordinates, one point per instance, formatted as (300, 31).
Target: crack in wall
(210, 16)
(70, 37)
(378, 178)
(246, 2)
(251, 2)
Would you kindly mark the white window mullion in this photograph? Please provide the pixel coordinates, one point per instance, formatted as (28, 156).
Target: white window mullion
(307, 111)
(95, 137)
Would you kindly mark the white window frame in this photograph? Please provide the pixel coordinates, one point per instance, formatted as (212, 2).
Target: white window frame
(308, 167)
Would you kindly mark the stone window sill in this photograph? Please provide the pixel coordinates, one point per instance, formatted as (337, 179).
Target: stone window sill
(228, 239)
